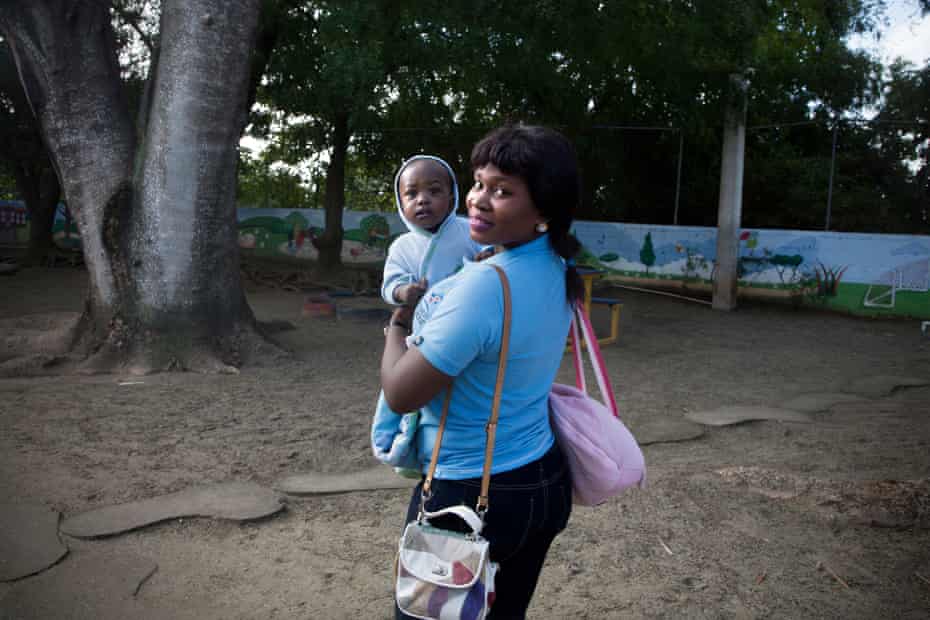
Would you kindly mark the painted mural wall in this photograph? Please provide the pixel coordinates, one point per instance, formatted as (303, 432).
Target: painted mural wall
(14, 225)
(866, 274)
(290, 232)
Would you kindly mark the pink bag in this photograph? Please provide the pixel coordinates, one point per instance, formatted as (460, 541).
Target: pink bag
(602, 454)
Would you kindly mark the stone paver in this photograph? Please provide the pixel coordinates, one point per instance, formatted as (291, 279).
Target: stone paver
(237, 501)
(379, 477)
(28, 540)
(734, 414)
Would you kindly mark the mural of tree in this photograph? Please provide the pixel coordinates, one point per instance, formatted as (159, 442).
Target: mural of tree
(297, 221)
(375, 230)
(782, 262)
(647, 255)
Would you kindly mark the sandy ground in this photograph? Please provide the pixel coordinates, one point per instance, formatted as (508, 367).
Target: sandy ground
(761, 520)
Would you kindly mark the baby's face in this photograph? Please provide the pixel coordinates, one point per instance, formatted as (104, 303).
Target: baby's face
(425, 193)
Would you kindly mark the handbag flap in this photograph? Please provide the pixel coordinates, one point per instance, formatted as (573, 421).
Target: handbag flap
(441, 557)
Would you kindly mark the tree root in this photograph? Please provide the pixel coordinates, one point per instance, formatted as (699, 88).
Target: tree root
(39, 339)
(62, 344)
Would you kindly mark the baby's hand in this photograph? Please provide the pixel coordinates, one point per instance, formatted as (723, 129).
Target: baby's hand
(410, 294)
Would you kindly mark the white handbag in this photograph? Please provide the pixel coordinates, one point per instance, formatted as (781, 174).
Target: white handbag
(443, 574)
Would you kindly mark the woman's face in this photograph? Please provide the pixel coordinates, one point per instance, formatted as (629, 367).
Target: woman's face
(500, 210)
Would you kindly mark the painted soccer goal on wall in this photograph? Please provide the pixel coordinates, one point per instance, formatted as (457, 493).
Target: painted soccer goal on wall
(914, 276)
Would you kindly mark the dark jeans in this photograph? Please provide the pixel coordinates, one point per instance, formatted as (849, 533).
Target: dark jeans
(527, 508)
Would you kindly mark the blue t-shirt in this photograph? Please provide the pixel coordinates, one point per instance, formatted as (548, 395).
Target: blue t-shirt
(461, 319)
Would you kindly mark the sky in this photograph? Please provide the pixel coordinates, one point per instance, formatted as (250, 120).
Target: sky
(906, 35)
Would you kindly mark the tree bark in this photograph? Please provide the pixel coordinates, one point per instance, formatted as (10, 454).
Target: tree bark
(330, 244)
(65, 54)
(157, 222)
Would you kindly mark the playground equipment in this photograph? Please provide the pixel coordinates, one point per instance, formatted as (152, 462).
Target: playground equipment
(913, 276)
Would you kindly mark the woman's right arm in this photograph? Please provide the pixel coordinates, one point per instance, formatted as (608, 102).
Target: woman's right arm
(408, 379)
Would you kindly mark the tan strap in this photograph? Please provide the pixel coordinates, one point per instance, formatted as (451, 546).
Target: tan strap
(491, 427)
(428, 483)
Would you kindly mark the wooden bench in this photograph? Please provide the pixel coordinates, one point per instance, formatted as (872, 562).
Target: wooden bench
(615, 306)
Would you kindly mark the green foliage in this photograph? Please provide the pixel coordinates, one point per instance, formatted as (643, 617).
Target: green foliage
(7, 185)
(264, 185)
(452, 71)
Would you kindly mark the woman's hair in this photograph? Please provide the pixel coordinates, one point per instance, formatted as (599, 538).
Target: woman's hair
(547, 162)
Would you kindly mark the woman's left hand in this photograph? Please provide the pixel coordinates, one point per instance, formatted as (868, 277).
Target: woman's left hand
(403, 314)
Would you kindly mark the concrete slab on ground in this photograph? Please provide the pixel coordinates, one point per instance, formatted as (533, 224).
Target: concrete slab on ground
(734, 414)
(236, 501)
(379, 477)
(819, 401)
(665, 429)
(28, 540)
(87, 586)
(882, 385)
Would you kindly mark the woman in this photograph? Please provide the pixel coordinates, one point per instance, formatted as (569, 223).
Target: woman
(526, 187)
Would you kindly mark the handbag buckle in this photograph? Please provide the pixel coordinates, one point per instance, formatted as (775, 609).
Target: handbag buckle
(481, 508)
(425, 495)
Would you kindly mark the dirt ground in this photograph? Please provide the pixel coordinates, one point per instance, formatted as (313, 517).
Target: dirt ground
(829, 519)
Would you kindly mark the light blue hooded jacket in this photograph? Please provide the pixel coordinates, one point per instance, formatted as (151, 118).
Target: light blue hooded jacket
(421, 254)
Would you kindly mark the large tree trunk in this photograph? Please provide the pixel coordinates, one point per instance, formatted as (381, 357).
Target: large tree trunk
(330, 244)
(158, 225)
(66, 59)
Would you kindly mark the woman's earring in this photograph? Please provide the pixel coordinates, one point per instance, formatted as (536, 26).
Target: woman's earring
(542, 227)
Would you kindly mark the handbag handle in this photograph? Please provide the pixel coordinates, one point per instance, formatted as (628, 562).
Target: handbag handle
(491, 427)
(581, 319)
(464, 513)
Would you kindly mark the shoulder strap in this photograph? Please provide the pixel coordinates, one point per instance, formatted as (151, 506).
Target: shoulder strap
(581, 322)
(491, 427)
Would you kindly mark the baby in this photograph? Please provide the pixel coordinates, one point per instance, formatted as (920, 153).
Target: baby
(427, 198)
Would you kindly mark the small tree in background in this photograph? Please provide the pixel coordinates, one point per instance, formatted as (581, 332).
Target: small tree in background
(647, 254)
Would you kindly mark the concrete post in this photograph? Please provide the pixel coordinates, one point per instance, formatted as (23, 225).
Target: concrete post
(731, 195)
